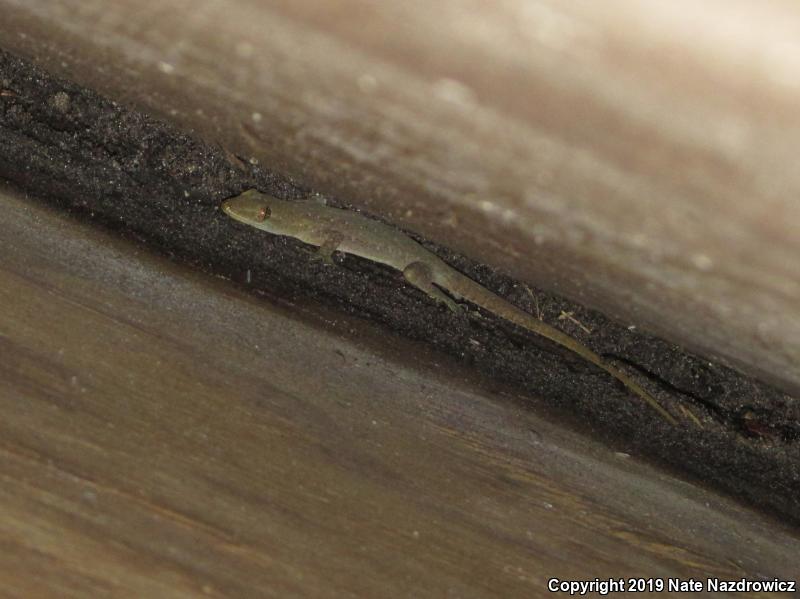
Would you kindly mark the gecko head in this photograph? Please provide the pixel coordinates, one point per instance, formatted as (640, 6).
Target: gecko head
(251, 207)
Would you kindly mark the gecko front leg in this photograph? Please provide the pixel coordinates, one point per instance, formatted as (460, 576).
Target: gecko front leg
(420, 276)
(332, 241)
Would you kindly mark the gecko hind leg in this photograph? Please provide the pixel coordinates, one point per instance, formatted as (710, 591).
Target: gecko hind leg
(419, 275)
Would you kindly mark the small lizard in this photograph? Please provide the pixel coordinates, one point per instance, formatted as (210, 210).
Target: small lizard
(334, 229)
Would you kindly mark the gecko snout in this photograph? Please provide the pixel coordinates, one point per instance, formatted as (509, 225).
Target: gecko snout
(247, 209)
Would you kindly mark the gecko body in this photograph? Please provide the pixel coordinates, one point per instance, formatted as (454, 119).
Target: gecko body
(333, 229)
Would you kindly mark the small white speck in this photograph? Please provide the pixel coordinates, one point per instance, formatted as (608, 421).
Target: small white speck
(249, 277)
(185, 193)
(487, 206)
(374, 423)
(256, 116)
(548, 505)
(415, 534)
(621, 455)
(253, 160)
(454, 91)
(166, 68)
(632, 327)
(702, 262)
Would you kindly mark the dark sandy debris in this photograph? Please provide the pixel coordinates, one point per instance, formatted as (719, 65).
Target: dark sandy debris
(149, 182)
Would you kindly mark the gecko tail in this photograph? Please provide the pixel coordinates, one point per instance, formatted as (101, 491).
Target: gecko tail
(465, 287)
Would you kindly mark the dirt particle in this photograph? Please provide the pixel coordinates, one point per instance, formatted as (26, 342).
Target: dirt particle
(60, 101)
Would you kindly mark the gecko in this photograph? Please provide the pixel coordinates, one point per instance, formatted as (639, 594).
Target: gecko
(331, 229)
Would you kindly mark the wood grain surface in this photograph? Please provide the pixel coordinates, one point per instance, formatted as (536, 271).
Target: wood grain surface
(166, 436)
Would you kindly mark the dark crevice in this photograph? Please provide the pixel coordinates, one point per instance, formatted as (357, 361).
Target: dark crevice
(667, 385)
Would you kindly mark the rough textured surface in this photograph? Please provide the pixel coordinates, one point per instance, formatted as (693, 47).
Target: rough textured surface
(638, 156)
(164, 435)
(145, 180)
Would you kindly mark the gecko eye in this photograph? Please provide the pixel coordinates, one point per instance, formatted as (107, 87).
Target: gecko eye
(263, 214)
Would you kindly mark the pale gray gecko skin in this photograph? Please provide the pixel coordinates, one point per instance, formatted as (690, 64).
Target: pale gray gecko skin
(333, 229)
